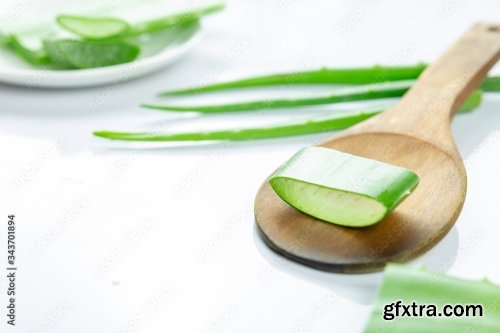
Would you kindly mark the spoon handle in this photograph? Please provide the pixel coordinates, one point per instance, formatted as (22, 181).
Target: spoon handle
(426, 110)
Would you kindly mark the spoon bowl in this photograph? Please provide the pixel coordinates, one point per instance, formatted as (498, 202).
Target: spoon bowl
(417, 224)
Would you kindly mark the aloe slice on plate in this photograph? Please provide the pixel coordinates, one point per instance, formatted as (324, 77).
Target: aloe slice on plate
(342, 188)
(424, 287)
(93, 28)
(31, 56)
(90, 54)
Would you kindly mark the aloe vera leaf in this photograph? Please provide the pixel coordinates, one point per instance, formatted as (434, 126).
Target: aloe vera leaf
(34, 57)
(341, 188)
(4, 39)
(362, 75)
(174, 20)
(357, 93)
(491, 84)
(334, 121)
(93, 28)
(368, 92)
(331, 122)
(90, 54)
(424, 287)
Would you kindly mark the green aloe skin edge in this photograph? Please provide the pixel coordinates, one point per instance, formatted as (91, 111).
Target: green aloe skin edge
(434, 291)
(341, 188)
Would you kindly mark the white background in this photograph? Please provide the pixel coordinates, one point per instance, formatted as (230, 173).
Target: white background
(112, 238)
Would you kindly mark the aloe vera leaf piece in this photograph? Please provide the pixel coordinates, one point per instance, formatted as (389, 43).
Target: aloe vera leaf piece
(357, 93)
(341, 188)
(174, 20)
(314, 125)
(31, 56)
(4, 39)
(361, 75)
(368, 92)
(335, 121)
(93, 28)
(420, 285)
(90, 54)
(491, 84)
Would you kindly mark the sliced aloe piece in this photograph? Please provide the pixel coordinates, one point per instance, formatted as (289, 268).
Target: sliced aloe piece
(424, 287)
(342, 188)
(32, 56)
(90, 54)
(93, 28)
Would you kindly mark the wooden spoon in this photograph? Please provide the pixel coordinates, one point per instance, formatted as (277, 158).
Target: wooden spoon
(414, 134)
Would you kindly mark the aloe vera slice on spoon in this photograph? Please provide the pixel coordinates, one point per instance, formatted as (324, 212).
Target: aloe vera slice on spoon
(93, 28)
(425, 287)
(335, 121)
(341, 188)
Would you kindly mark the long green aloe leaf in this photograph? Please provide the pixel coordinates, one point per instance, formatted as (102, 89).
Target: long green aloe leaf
(358, 93)
(174, 20)
(365, 92)
(434, 291)
(335, 121)
(366, 75)
(100, 28)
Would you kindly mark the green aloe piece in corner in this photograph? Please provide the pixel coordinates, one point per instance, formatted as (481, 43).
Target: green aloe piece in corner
(409, 285)
(90, 54)
(93, 28)
(335, 121)
(341, 188)
(362, 75)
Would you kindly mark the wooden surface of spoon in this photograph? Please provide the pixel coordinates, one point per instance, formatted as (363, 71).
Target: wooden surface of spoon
(414, 134)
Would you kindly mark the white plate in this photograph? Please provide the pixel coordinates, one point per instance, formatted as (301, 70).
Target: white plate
(15, 71)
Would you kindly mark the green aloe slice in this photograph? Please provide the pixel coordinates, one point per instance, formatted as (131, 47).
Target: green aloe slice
(31, 56)
(424, 287)
(342, 188)
(90, 54)
(93, 28)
